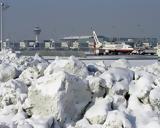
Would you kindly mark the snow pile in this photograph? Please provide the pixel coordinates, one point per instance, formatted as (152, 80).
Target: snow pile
(7, 72)
(117, 119)
(7, 56)
(62, 96)
(97, 86)
(118, 79)
(97, 67)
(71, 65)
(98, 112)
(142, 86)
(12, 92)
(154, 98)
(10, 57)
(67, 93)
(121, 63)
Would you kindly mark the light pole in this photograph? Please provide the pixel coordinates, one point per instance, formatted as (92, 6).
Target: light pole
(1, 25)
(3, 7)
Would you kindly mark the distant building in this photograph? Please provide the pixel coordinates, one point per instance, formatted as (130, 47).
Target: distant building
(48, 44)
(30, 44)
(22, 45)
(76, 42)
(80, 42)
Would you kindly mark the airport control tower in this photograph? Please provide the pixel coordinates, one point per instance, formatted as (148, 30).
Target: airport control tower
(37, 32)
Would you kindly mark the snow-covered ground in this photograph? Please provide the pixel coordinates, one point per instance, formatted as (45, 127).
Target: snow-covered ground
(132, 62)
(69, 93)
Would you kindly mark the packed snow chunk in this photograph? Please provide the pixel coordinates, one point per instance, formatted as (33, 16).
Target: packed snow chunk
(85, 124)
(119, 102)
(142, 112)
(29, 75)
(122, 75)
(99, 66)
(121, 63)
(24, 124)
(122, 79)
(97, 113)
(152, 124)
(7, 72)
(142, 87)
(38, 63)
(97, 86)
(6, 116)
(23, 62)
(61, 95)
(34, 68)
(12, 92)
(19, 117)
(119, 78)
(154, 97)
(154, 69)
(102, 65)
(109, 79)
(117, 119)
(72, 66)
(41, 122)
(8, 56)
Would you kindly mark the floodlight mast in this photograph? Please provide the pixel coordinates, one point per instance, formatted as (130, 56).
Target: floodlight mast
(3, 7)
(1, 25)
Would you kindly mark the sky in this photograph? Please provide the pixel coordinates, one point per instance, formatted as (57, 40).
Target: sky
(60, 18)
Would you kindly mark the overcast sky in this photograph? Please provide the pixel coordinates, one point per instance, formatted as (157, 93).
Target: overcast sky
(59, 18)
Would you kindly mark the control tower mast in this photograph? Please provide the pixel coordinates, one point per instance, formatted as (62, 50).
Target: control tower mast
(37, 32)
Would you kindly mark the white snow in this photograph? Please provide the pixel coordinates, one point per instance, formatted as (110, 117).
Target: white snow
(154, 98)
(98, 112)
(71, 65)
(62, 96)
(123, 63)
(67, 93)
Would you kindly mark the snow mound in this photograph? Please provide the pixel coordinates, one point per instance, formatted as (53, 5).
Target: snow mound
(29, 75)
(85, 124)
(121, 63)
(23, 62)
(97, 86)
(119, 102)
(38, 63)
(143, 113)
(117, 119)
(7, 56)
(142, 87)
(97, 67)
(12, 92)
(71, 65)
(97, 114)
(39, 122)
(154, 98)
(62, 96)
(7, 72)
(118, 79)
(153, 124)
(154, 69)
(68, 94)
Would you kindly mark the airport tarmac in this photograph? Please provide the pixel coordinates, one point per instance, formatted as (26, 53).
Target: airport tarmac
(134, 60)
(112, 57)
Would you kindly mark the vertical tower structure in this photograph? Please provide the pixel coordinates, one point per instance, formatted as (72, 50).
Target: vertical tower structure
(3, 6)
(37, 32)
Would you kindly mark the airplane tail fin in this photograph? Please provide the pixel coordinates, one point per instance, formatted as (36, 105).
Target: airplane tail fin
(96, 40)
(95, 37)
